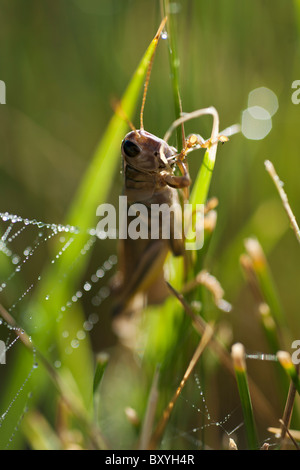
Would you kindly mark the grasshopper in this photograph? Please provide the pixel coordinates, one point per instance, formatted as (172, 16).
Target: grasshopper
(149, 164)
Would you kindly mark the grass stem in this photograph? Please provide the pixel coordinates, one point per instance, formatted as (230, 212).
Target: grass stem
(279, 186)
(239, 363)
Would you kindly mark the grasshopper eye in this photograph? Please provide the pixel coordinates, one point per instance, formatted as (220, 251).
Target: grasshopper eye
(130, 149)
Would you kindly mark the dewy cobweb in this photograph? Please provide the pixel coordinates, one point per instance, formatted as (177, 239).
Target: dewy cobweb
(23, 243)
(203, 420)
(23, 252)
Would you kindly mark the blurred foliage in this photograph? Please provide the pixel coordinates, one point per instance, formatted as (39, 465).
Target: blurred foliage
(63, 63)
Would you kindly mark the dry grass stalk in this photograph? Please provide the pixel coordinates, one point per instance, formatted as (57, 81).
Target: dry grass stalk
(279, 186)
(166, 415)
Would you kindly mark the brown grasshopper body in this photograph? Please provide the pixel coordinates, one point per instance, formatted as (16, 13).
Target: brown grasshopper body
(148, 180)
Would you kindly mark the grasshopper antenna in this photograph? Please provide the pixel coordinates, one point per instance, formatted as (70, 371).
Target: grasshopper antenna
(155, 40)
(117, 107)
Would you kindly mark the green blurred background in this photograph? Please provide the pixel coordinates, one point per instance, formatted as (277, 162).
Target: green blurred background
(63, 62)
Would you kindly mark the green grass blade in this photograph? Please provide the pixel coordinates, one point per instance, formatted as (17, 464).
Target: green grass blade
(101, 363)
(174, 68)
(265, 279)
(286, 361)
(238, 356)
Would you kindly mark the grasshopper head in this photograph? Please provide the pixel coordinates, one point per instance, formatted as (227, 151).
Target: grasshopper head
(146, 152)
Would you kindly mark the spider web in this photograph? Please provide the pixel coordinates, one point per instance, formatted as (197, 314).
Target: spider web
(221, 430)
(24, 251)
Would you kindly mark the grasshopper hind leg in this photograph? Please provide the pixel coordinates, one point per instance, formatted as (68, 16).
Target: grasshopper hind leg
(146, 280)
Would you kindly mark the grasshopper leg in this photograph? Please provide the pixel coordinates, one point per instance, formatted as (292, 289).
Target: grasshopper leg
(147, 270)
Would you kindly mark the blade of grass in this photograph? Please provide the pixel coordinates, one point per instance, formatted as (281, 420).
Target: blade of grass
(174, 69)
(239, 363)
(39, 433)
(150, 412)
(290, 434)
(286, 361)
(264, 278)
(269, 327)
(207, 335)
(268, 322)
(101, 363)
(202, 184)
(292, 371)
(279, 186)
(251, 266)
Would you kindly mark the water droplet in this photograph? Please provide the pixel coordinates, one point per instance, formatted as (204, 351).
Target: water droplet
(80, 334)
(164, 34)
(107, 265)
(93, 318)
(74, 343)
(100, 273)
(113, 259)
(88, 326)
(104, 292)
(96, 301)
